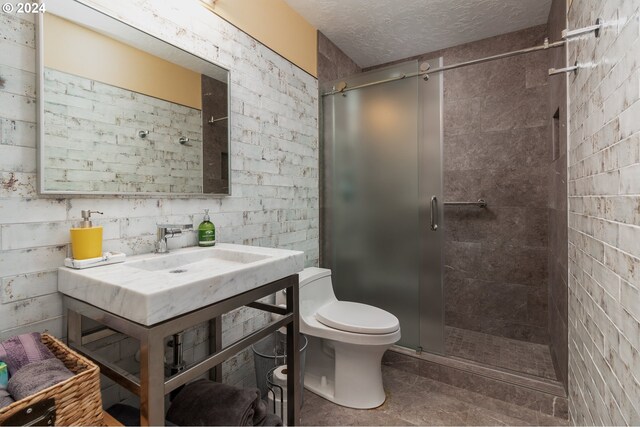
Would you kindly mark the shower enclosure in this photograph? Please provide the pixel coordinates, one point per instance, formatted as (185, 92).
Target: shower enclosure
(385, 231)
(382, 195)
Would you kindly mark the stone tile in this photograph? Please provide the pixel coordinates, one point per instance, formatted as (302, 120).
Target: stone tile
(462, 116)
(479, 299)
(522, 146)
(509, 186)
(527, 109)
(481, 417)
(492, 78)
(461, 257)
(498, 327)
(498, 44)
(536, 69)
(515, 355)
(496, 225)
(422, 401)
(399, 362)
(513, 264)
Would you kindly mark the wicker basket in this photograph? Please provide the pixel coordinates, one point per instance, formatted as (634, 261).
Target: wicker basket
(77, 400)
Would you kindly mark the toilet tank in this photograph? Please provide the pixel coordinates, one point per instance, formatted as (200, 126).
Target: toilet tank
(316, 290)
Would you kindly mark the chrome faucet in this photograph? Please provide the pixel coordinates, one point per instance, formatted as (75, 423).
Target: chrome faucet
(169, 230)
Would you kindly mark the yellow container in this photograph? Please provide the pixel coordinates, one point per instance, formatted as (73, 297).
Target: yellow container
(86, 242)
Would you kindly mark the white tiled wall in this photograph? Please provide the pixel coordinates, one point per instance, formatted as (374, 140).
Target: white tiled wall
(274, 167)
(604, 216)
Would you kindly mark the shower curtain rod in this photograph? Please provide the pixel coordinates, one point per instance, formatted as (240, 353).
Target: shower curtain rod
(546, 45)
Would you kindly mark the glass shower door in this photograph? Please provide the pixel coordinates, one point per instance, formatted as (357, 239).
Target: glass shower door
(372, 195)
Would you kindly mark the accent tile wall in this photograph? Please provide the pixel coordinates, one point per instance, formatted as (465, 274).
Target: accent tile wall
(604, 216)
(274, 170)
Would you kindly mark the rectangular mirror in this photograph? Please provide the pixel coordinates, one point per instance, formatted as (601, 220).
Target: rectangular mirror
(123, 112)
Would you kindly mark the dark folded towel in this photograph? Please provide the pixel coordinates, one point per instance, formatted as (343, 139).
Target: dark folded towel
(271, 420)
(125, 414)
(5, 398)
(128, 415)
(37, 376)
(207, 403)
(21, 350)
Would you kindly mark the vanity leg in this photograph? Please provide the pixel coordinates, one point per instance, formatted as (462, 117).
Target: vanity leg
(74, 328)
(215, 345)
(293, 357)
(152, 381)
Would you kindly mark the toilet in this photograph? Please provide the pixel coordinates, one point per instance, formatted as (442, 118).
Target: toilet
(346, 343)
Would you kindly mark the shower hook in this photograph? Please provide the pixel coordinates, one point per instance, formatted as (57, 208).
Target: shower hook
(143, 133)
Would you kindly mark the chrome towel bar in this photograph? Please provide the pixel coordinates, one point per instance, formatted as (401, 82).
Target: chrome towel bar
(481, 203)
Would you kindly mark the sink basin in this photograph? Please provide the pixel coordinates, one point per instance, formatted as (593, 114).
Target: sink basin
(151, 288)
(204, 260)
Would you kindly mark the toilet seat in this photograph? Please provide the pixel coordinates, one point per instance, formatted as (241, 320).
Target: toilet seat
(358, 318)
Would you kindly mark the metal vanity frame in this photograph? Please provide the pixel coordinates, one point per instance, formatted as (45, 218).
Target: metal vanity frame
(152, 386)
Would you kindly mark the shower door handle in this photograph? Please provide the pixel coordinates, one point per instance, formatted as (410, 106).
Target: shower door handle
(434, 213)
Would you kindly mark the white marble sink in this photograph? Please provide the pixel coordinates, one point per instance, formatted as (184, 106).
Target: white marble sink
(151, 288)
(190, 262)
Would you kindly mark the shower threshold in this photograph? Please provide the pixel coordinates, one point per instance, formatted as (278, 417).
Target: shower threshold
(544, 395)
(516, 355)
(544, 385)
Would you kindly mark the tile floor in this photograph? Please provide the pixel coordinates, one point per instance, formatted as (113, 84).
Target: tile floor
(515, 355)
(415, 400)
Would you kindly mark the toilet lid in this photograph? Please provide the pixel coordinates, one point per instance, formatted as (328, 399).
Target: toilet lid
(356, 317)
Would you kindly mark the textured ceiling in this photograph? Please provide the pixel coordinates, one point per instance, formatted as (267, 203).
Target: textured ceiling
(373, 32)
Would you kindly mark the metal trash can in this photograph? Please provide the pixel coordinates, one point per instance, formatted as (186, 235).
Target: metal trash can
(271, 352)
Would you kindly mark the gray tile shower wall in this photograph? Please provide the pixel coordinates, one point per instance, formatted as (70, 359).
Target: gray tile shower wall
(558, 257)
(274, 170)
(604, 216)
(496, 147)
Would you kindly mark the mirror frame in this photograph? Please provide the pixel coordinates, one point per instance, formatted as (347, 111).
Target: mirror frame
(40, 101)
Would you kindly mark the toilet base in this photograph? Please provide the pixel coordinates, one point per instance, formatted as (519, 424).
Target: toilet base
(347, 374)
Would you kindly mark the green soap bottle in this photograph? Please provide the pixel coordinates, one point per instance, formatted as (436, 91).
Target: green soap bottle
(206, 231)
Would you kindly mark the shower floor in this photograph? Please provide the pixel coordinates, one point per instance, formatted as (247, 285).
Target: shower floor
(520, 356)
